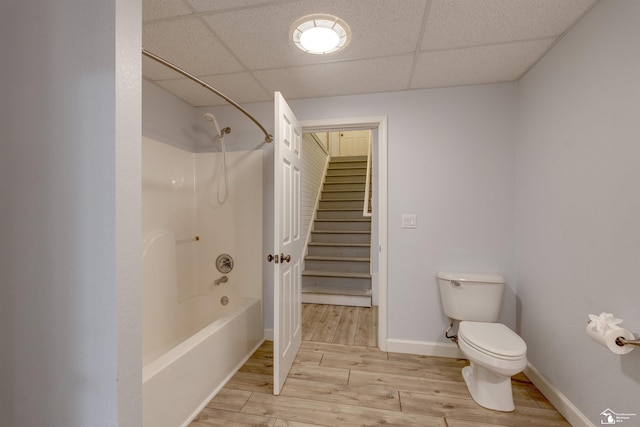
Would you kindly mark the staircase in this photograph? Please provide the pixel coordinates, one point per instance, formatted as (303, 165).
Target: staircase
(337, 267)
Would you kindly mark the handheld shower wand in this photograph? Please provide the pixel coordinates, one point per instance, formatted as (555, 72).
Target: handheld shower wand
(222, 172)
(221, 132)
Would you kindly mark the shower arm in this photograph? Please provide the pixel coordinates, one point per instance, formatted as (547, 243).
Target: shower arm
(267, 136)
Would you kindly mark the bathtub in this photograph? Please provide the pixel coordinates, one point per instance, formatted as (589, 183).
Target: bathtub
(178, 385)
(191, 343)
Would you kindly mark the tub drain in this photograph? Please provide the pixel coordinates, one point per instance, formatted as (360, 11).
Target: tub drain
(224, 300)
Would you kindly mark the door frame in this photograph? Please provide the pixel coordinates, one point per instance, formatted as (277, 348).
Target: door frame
(379, 123)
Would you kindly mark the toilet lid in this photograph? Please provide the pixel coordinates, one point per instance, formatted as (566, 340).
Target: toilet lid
(493, 338)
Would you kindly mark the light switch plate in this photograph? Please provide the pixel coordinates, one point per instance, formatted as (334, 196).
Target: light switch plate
(409, 221)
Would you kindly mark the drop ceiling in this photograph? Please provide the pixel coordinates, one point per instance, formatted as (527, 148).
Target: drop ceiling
(244, 49)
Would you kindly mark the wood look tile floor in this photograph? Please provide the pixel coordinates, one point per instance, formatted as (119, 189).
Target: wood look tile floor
(340, 378)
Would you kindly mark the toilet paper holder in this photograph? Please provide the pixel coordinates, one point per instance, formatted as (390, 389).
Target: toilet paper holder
(623, 341)
(620, 341)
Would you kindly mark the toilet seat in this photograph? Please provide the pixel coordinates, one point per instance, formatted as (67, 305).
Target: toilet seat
(493, 339)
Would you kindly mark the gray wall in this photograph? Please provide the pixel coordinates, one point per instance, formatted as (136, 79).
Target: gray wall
(579, 207)
(169, 119)
(451, 162)
(70, 214)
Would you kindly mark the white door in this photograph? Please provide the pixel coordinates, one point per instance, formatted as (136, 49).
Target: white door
(355, 142)
(288, 242)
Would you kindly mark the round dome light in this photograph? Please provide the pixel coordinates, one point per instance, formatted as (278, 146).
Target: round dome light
(320, 34)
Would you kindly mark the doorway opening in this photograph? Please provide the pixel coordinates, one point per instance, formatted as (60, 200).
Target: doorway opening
(377, 126)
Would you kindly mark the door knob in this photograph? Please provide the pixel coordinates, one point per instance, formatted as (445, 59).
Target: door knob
(285, 258)
(273, 258)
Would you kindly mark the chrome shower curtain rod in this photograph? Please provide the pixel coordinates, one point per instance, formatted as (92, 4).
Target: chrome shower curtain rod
(267, 136)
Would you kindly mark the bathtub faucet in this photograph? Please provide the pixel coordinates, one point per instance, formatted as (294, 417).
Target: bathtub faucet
(223, 279)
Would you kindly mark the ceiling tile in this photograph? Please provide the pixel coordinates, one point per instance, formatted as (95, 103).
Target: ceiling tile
(212, 5)
(458, 23)
(339, 78)
(260, 37)
(477, 65)
(187, 43)
(240, 87)
(154, 9)
(243, 46)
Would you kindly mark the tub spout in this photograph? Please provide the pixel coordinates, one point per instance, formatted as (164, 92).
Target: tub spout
(223, 279)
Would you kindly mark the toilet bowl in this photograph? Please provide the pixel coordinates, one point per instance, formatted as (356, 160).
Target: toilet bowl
(496, 353)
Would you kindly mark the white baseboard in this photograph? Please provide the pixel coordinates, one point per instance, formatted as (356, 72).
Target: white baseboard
(557, 399)
(424, 348)
(268, 334)
(355, 301)
(374, 288)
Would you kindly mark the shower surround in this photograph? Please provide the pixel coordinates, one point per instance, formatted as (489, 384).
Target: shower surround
(191, 344)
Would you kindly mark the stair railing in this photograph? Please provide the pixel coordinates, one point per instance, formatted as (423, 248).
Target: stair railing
(365, 206)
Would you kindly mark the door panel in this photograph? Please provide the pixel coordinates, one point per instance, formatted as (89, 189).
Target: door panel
(288, 242)
(355, 142)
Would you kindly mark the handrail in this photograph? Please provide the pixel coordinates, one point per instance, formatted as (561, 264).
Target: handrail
(365, 206)
(267, 136)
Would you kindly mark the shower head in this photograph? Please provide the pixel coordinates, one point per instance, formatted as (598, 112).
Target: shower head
(210, 117)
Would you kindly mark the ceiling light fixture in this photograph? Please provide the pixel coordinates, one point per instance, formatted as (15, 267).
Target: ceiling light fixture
(320, 34)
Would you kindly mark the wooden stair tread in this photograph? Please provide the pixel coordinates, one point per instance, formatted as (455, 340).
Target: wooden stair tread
(348, 158)
(342, 245)
(344, 220)
(340, 232)
(336, 274)
(337, 258)
(339, 210)
(344, 200)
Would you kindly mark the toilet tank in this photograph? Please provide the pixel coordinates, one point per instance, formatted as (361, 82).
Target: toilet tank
(474, 297)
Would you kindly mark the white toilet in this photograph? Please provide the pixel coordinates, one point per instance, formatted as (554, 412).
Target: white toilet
(496, 352)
